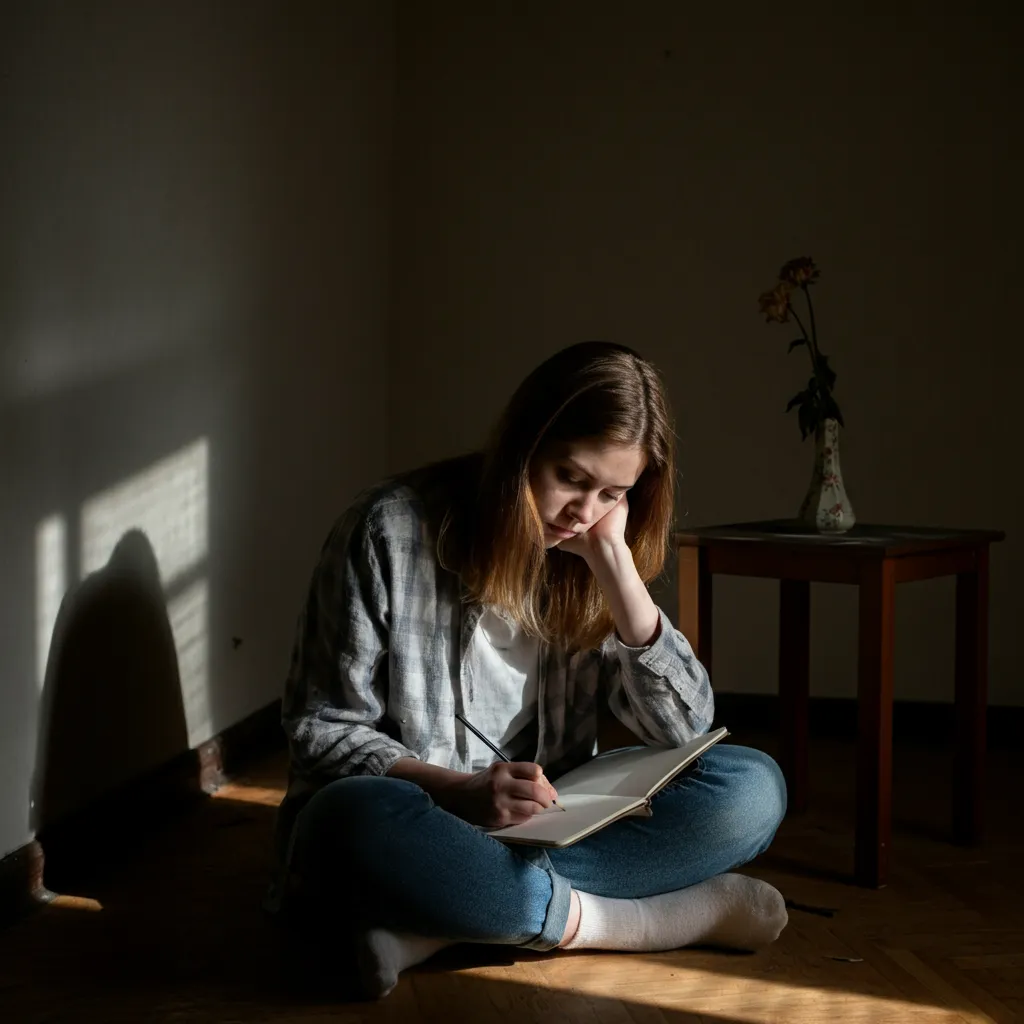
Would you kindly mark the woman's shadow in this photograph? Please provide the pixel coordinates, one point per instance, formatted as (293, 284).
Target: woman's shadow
(113, 772)
(111, 709)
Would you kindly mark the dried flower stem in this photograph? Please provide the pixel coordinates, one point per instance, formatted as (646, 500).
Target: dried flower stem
(811, 348)
(810, 308)
(811, 337)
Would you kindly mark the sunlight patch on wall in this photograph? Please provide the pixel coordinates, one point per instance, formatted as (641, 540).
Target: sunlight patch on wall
(51, 584)
(167, 501)
(188, 612)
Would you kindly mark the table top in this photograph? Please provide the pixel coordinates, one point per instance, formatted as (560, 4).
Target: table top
(890, 540)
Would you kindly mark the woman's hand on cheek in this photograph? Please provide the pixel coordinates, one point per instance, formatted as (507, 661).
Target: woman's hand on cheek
(607, 533)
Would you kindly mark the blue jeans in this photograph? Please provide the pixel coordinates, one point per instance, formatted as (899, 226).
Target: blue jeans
(378, 852)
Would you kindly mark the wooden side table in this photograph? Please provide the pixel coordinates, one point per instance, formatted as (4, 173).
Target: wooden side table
(875, 558)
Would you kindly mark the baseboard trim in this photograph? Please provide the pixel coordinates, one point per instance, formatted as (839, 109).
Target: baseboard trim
(836, 717)
(95, 834)
(254, 736)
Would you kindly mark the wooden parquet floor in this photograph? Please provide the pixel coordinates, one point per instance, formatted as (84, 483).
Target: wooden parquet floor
(175, 933)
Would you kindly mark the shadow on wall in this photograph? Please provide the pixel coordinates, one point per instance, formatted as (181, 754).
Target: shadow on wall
(111, 705)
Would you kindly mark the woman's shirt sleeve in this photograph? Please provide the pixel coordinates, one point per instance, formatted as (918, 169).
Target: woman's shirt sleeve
(335, 702)
(661, 692)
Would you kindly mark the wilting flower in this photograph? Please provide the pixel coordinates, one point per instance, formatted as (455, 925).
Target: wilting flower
(799, 272)
(775, 304)
(815, 403)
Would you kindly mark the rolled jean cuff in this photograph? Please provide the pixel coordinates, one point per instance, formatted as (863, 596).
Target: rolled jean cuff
(558, 906)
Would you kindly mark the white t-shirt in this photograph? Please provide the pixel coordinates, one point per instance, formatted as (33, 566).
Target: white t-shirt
(504, 663)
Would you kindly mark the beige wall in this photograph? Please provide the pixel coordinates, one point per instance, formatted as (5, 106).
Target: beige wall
(203, 332)
(639, 172)
(194, 233)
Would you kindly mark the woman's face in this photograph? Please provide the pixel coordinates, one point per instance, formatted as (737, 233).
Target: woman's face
(576, 483)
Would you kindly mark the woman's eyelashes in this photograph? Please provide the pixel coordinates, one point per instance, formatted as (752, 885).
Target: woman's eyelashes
(567, 477)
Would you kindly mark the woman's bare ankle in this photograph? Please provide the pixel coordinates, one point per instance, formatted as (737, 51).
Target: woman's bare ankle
(573, 924)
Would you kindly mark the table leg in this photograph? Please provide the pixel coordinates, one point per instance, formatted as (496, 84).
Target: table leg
(874, 727)
(971, 699)
(794, 686)
(695, 601)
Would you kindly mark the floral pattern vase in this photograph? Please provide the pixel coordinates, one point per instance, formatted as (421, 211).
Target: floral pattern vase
(826, 507)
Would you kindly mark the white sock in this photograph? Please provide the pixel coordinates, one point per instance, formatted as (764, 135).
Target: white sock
(729, 910)
(383, 955)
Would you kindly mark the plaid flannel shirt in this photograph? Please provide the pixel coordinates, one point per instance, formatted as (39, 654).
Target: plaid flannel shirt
(377, 671)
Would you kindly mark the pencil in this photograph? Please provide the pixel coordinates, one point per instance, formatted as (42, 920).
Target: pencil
(483, 739)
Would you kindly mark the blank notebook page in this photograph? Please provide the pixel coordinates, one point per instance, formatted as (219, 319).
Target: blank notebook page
(631, 773)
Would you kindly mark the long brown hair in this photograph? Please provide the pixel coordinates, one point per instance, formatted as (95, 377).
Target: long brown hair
(593, 390)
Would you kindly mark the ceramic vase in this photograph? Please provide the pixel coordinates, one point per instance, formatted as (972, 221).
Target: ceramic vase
(826, 507)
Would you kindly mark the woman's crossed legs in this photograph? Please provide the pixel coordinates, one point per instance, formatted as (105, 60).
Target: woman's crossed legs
(379, 855)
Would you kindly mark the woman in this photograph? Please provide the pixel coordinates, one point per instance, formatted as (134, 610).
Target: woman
(510, 587)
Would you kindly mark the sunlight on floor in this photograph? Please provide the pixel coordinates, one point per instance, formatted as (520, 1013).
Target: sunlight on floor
(755, 999)
(76, 903)
(267, 796)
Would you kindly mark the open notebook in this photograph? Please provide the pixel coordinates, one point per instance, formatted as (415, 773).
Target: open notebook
(605, 789)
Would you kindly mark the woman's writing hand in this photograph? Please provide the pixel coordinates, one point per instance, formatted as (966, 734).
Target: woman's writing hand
(504, 793)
